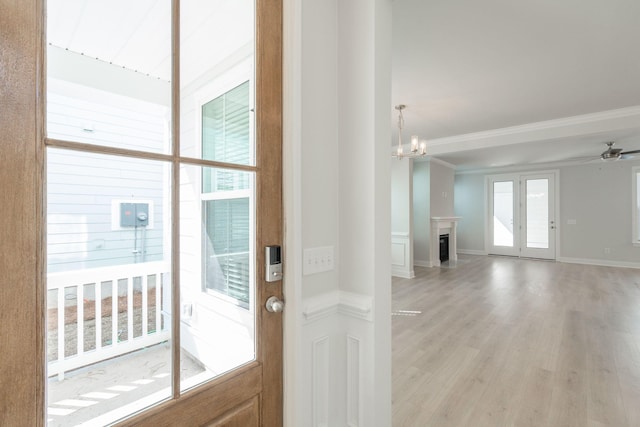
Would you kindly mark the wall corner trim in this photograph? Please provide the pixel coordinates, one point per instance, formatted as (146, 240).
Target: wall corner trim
(354, 305)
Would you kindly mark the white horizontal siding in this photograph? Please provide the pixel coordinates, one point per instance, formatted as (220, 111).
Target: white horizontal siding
(81, 187)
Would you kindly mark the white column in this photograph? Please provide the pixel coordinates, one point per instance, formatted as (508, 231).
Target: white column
(364, 92)
(453, 239)
(434, 243)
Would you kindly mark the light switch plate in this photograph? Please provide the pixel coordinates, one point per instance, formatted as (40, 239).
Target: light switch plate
(318, 260)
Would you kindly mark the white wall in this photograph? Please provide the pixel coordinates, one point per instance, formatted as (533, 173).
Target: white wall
(433, 195)
(402, 218)
(596, 195)
(598, 198)
(469, 203)
(337, 193)
(421, 212)
(441, 195)
(401, 195)
(319, 117)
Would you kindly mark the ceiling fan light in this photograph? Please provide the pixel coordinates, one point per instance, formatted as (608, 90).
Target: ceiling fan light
(610, 157)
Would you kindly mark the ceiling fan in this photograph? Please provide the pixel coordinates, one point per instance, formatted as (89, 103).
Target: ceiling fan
(616, 153)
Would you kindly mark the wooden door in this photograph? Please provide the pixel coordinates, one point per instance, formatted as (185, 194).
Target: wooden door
(246, 395)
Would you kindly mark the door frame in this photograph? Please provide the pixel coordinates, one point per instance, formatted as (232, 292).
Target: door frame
(519, 211)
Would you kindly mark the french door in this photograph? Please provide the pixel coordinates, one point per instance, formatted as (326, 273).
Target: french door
(522, 218)
(144, 160)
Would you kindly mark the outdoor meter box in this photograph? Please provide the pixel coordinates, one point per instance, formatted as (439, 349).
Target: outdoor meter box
(134, 214)
(273, 261)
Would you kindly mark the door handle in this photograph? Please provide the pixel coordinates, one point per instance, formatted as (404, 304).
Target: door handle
(274, 305)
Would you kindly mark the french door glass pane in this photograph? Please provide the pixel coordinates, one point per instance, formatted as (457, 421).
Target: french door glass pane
(108, 286)
(216, 80)
(108, 73)
(537, 225)
(503, 213)
(217, 262)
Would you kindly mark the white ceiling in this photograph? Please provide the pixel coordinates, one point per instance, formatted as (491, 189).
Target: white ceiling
(502, 75)
(531, 81)
(137, 34)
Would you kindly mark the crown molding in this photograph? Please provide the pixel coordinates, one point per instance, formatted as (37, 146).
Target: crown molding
(442, 162)
(538, 166)
(431, 159)
(623, 118)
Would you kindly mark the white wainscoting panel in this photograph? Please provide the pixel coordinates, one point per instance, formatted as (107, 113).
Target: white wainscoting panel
(321, 382)
(401, 265)
(337, 329)
(353, 381)
(398, 254)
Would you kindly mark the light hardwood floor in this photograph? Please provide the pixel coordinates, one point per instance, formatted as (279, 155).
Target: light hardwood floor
(500, 341)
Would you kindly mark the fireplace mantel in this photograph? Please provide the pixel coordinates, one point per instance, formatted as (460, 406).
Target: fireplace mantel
(440, 224)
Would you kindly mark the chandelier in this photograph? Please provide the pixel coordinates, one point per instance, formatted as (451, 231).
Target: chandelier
(417, 149)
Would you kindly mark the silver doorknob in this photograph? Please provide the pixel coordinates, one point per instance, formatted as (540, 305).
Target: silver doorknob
(274, 305)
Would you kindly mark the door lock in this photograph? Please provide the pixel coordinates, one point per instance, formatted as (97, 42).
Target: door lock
(274, 305)
(273, 261)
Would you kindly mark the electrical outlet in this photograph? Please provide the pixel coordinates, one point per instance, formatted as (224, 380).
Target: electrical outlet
(607, 251)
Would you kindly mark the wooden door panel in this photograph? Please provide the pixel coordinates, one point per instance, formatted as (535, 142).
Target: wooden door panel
(213, 401)
(245, 415)
(21, 353)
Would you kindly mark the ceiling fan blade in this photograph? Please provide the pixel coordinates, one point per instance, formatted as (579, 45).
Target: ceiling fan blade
(630, 152)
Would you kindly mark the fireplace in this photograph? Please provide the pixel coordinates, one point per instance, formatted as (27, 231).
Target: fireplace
(444, 248)
(443, 226)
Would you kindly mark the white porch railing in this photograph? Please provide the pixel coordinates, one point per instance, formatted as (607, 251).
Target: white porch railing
(146, 276)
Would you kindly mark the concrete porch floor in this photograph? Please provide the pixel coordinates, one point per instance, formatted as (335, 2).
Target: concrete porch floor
(110, 390)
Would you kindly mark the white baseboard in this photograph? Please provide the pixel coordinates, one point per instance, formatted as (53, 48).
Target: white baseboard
(601, 262)
(472, 252)
(420, 263)
(403, 273)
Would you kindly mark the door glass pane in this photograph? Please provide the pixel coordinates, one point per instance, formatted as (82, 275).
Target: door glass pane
(108, 274)
(217, 80)
(225, 126)
(537, 213)
(503, 213)
(109, 72)
(217, 262)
